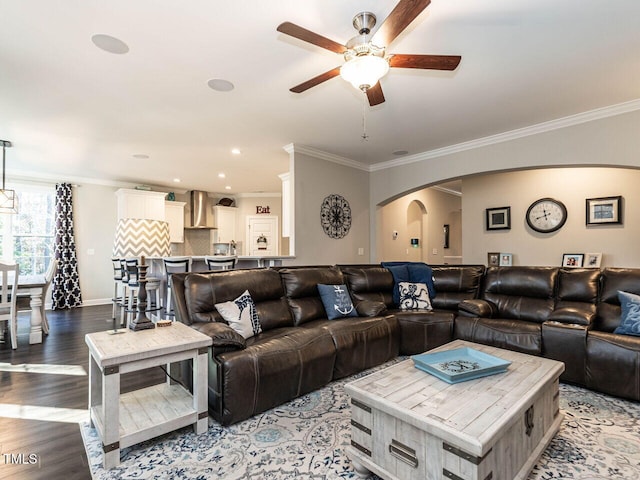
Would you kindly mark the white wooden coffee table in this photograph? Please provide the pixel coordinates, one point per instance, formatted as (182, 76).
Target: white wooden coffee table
(408, 424)
(130, 418)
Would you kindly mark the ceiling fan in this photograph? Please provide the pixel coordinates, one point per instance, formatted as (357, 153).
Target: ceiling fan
(365, 55)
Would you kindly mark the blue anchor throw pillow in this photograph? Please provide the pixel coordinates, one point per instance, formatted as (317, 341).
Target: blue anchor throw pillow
(337, 302)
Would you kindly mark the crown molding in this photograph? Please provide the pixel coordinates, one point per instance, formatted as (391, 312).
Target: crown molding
(585, 117)
(447, 190)
(329, 157)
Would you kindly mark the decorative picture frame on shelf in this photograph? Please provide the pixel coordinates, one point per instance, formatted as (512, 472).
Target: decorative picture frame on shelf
(604, 210)
(572, 260)
(498, 218)
(493, 259)
(506, 259)
(592, 260)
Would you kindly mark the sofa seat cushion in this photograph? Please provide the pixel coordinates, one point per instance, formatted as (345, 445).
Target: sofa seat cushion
(423, 330)
(517, 335)
(275, 366)
(360, 343)
(613, 364)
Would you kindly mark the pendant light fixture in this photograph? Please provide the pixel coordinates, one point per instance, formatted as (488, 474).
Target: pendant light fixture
(8, 201)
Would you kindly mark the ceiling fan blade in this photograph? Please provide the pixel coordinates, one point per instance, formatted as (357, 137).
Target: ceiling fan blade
(430, 62)
(375, 95)
(305, 35)
(400, 17)
(323, 77)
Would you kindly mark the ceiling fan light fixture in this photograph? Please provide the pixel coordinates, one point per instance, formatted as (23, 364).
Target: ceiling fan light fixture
(363, 72)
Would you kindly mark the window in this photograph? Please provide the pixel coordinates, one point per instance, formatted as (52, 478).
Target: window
(28, 237)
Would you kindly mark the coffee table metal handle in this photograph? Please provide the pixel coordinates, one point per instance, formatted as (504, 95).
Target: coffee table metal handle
(403, 453)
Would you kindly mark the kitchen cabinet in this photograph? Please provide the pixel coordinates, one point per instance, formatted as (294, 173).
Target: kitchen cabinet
(224, 220)
(174, 216)
(141, 204)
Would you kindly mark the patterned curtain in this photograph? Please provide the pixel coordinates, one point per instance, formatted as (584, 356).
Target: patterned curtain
(66, 284)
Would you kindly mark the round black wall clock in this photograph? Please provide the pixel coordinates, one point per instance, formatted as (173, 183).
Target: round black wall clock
(335, 216)
(546, 215)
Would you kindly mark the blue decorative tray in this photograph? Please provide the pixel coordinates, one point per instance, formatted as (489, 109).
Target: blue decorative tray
(460, 364)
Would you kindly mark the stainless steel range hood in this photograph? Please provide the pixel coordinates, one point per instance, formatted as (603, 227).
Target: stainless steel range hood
(198, 203)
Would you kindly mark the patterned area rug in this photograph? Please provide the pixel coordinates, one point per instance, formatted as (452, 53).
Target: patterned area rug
(306, 439)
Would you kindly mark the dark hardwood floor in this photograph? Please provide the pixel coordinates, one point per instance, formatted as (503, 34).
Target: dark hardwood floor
(39, 448)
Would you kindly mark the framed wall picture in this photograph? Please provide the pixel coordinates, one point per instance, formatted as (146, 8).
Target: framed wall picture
(498, 218)
(572, 260)
(493, 259)
(592, 260)
(445, 231)
(604, 210)
(506, 259)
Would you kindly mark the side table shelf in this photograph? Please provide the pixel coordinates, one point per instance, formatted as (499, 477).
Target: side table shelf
(126, 419)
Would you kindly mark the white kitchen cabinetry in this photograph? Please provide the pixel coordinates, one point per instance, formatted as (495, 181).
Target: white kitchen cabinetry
(224, 220)
(141, 204)
(174, 215)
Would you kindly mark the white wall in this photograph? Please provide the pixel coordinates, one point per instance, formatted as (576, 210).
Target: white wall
(572, 186)
(612, 140)
(247, 207)
(314, 179)
(94, 220)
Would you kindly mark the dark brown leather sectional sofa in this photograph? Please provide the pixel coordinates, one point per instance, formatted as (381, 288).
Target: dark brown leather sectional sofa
(564, 314)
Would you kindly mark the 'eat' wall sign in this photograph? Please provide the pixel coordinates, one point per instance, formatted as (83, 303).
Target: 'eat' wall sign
(261, 209)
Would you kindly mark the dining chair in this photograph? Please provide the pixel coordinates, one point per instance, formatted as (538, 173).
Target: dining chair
(173, 265)
(48, 277)
(9, 273)
(220, 263)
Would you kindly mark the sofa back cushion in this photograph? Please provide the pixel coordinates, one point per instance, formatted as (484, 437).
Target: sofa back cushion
(455, 283)
(301, 290)
(369, 282)
(576, 296)
(613, 280)
(521, 293)
(203, 290)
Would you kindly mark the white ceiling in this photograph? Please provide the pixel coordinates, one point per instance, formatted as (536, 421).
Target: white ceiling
(74, 111)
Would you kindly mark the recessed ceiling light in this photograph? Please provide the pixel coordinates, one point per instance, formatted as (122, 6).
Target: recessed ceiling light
(399, 153)
(228, 187)
(110, 44)
(140, 155)
(177, 180)
(235, 151)
(220, 85)
(221, 175)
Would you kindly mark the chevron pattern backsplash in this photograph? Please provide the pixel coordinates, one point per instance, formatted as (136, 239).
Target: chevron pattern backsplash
(138, 237)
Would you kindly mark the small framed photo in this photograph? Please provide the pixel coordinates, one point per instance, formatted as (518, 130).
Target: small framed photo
(493, 259)
(592, 260)
(498, 218)
(506, 259)
(604, 210)
(572, 260)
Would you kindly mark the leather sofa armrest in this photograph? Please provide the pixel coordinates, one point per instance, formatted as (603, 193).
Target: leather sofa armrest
(223, 335)
(572, 315)
(477, 308)
(370, 308)
(567, 343)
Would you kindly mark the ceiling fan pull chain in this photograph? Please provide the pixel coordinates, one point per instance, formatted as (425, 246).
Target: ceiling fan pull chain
(364, 118)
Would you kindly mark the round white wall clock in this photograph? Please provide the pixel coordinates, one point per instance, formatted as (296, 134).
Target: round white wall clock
(335, 216)
(546, 215)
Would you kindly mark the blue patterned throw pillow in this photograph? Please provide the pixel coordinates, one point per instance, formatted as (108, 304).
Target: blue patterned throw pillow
(414, 296)
(630, 318)
(241, 315)
(337, 302)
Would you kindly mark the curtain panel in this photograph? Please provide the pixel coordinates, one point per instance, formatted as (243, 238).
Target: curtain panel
(66, 283)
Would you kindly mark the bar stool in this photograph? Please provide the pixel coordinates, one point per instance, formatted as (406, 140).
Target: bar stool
(119, 286)
(173, 265)
(132, 287)
(220, 263)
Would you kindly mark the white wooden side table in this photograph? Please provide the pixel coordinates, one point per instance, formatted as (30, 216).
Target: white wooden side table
(125, 419)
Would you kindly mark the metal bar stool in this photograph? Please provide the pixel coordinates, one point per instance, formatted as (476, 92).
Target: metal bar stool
(173, 265)
(220, 263)
(119, 286)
